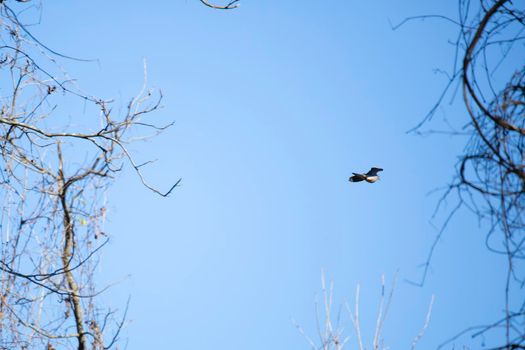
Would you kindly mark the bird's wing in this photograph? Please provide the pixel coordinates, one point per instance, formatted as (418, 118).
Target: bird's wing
(373, 171)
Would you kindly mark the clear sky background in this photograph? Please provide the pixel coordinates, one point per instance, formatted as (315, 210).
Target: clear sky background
(275, 104)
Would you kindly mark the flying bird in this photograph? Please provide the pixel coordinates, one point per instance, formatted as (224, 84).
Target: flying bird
(369, 177)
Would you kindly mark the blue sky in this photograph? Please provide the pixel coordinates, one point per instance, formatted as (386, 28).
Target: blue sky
(275, 104)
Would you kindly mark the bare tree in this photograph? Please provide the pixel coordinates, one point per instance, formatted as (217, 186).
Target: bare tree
(490, 179)
(53, 176)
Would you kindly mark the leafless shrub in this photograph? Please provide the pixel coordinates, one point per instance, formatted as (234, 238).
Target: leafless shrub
(331, 329)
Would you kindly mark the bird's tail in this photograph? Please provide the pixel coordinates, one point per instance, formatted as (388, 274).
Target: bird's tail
(356, 178)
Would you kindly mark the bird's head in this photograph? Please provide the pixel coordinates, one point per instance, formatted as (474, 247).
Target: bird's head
(377, 169)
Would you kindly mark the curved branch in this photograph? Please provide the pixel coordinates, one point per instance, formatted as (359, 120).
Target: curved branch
(231, 5)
